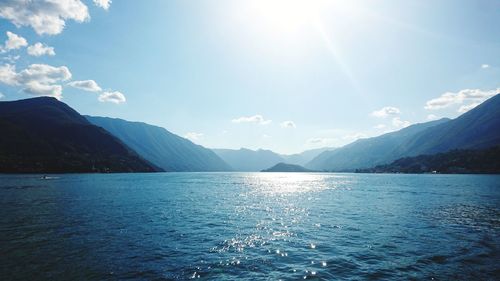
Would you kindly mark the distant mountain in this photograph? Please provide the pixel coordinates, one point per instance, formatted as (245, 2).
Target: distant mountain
(484, 161)
(304, 157)
(476, 129)
(479, 128)
(44, 135)
(161, 147)
(368, 152)
(283, 167)
(246, 160)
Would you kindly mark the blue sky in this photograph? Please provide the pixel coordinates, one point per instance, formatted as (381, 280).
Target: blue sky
(280, 75)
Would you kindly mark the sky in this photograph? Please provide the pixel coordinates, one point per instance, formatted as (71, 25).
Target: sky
(272, 74)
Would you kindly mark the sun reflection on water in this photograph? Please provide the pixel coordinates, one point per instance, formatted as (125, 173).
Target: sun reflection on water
(291, 183)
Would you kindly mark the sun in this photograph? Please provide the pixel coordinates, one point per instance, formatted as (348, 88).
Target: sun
(286, 16)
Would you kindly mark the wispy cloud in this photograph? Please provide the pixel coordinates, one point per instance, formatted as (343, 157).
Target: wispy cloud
(485, 66)
(319, 141)
(472, 96)
(288, 124)
(431, 117)
(398, 123)
(193, 136)
(11, 59)
(386, 111)
(258, 119)
(465, 108)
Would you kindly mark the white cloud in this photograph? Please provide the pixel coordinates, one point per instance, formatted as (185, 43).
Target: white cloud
(485, 66)
(386, 111)
(40, 89)
(113, 97)
(43, 73)
(318, 141)
(13, 42)
(36, 79)
(431, 117)
(44, 16)
(354, 136)
(447, 99)
(465, 108)
(103, 4)
(1, 96)
(193, 136)
(259, 119)
(86, 85)
(39, 49)
(380, 126)
(8, 74)
(398, 123)
(288, 124)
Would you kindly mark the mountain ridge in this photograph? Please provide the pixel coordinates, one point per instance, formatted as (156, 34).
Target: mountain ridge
(45, 135)
(162, 147)
(475, 129)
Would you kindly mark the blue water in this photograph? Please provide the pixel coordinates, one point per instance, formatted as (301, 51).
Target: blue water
(250, 226)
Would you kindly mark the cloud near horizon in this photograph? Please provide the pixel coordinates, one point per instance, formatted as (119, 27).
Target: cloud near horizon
(36, 79)
(193, 136)
(432, 117)
(86, 85)
(386, 111)
(319, 141)
(472, 96)
(113, 97)
(398, 123)
(258, 119)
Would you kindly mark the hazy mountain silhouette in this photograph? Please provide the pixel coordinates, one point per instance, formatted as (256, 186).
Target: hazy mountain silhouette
(304, 157)
(476, 129)
(44, 135)
(161, 147)
(246, 160)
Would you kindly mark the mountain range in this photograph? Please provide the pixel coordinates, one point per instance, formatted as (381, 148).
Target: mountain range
(44, 135)
(247, 160)
(476, 129)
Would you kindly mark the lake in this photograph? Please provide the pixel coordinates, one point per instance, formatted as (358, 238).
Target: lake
(250, 226)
